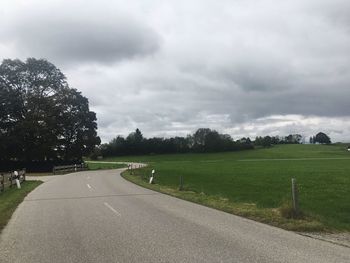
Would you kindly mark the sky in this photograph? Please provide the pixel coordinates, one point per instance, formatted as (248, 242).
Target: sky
(242, 67)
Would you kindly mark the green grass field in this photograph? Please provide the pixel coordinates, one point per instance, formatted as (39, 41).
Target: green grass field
(256, 183)
(11, 198)
(104, 166)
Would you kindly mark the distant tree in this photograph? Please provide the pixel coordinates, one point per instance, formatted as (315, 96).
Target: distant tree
(263, 141)
(181, 144)
(213, 142)
(294, 138)
(267, 141)
(41, 117)
(322, 138)
(199, 139)
(258, 140)
(311, 140)
(135, 143)
(298, 138)
(275, 140)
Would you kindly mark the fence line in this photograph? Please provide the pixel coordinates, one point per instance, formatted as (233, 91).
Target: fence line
(69, 168)
(7, 180)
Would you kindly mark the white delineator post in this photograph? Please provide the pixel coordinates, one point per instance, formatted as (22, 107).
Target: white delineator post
(18, 183)
(151, 180)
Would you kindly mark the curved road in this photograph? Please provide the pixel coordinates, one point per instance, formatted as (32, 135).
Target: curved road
(100, 217)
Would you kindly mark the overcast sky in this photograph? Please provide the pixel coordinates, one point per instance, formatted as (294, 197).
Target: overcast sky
(242, 67)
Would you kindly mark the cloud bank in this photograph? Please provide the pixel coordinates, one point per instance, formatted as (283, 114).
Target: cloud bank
(247, 68)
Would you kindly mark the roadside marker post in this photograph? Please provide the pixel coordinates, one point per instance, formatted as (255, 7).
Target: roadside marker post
(295, 197)
(181, 183)
(15, 173)
(151, 180)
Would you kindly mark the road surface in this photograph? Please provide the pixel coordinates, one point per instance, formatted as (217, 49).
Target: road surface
(100, 217)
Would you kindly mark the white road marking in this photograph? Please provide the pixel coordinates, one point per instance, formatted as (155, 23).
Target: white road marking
(112, 209)
(89, 186)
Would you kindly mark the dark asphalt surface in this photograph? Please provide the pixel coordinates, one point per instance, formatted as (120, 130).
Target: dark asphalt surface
(100, 217)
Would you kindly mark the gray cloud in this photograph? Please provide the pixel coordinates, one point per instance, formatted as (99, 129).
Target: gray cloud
(243, 67)
(80, 36)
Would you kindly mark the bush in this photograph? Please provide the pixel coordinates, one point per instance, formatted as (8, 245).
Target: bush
(287, 211)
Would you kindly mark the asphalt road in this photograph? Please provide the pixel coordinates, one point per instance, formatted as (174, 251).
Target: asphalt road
(100, 217)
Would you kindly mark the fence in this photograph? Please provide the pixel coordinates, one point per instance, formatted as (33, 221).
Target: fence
(69, 168)
(7, 180)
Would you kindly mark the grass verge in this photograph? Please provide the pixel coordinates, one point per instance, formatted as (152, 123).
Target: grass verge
(11, 198)
(271, 216)
(263, 177)
(105, 166)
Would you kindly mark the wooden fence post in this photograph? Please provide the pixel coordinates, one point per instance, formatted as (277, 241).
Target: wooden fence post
(295, 197)
(2, 183)
(10, 179)
(181, 187)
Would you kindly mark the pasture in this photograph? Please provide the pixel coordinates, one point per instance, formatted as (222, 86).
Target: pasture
(256, 183)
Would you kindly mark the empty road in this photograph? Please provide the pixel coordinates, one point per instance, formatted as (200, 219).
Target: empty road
(100, 217)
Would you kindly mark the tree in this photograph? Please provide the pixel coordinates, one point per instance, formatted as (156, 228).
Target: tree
(41, 116)
(267, 141)
(135, 142)
(199, 139)
(213, 142)
(294, 138)
(322, 138)
(263, 141)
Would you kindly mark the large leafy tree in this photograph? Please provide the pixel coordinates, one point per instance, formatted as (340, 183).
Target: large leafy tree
(322, 138)
(41, 117)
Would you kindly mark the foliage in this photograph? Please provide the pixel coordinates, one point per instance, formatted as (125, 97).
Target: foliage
(203, 140)
(287, 211)
(322, 138)
(41, 117)
(268, 141)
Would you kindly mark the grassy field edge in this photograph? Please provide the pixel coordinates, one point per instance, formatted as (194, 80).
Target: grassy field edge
(270, 216)
(11, 198)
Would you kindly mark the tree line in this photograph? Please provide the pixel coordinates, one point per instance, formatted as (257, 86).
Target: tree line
(268, 141)
(203, 140)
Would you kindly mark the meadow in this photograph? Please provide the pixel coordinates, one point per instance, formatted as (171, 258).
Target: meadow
(256, 183)
(98, 166)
